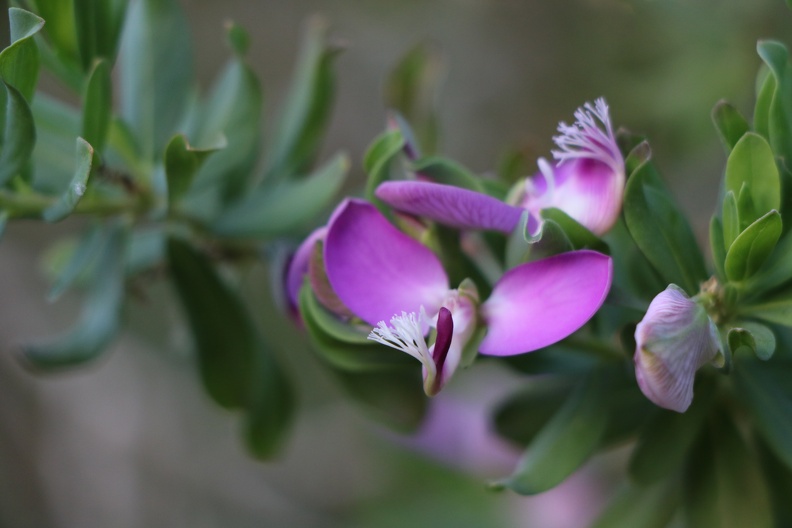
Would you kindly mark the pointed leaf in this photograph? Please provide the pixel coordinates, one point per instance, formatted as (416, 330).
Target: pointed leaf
(729, 123)
(155, 72)
(731, 220)
(651, 507)
(80, 259)
(750, 250)
(752, 162)
(307, 111)
(717, 246)
(77, 187)
(182, 162)
(378, 161)
(661, 231)
(98, 105)
(19, 62)
(564, 443)
(524, 414)
(19, 134)
(99, 320)
(775, 55)
(98, 24)
(449, 172)
(757, 338)
(287, 207)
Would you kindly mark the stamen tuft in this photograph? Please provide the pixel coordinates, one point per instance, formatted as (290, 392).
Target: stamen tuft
(406, 334)
(591, 136)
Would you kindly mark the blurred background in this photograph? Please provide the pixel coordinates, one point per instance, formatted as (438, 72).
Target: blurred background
(133, 441)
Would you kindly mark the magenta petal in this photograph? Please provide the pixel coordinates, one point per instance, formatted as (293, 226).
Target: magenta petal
(376, 270)
(449, 205)
(298, 266)
(539, 303)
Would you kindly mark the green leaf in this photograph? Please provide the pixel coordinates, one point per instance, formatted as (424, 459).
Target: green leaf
(777, 310)
(775, 55)
(651, 507)
(288, 207)
(731, 220)
(19, 62)
(77, 187)
(766, 87)
(393, 397)
(19, 134)
(765, 391)
(233, 109)
(225, 338)
(3, 222)
(98, 24)
(565, 442)
(98, 105)
(637, 156)
(757, 338)
(521, 247)
(99, 320)
(579, 236)
(779, 482)
(297, 139)
(754, 245)
(238, 38)
(79, 260)
(59, 28)
(668, 437)
(342, 345)
(776, 270)
(752, 162)
(524, 414)
(155, 72)
(723, 487)
(182, 162)
(729, 123)
(449, 172)
(57, 126)
(412, 88)
(661, 231)
(717, 246)
(378, 162)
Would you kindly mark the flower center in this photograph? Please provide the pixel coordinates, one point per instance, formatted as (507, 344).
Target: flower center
(591, 136)
(406, 333)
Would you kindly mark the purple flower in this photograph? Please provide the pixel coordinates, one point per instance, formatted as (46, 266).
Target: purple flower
(674, 339)
(381, 275)
(587, 183)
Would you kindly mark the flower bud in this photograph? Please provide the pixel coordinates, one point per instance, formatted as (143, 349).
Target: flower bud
(675, 338)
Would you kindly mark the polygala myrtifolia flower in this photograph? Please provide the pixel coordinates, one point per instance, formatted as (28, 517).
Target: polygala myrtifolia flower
(380, 274)
(675, 338)
(587, 183)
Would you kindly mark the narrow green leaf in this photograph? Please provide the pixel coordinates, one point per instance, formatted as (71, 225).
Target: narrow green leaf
(731, 220)
(225, 338)
(155, 72)
(564, 443)
(524, 414)
(19, 62)
(775, 55)
(97, 105)
(378, 161)
(668, 436)
(412, 88)
(579, 236)
(288, 207)
(3, 222)
(729, 123)
(776, 270)
(717, 234)
(59, 28)
(765, 390)
(393, 397)
(766, 87)
(647, 507)
(79, 260)
(757, 338)
(57, 126)
(752, 162)
(77, 187)
(19, 135)
(238, 38)
(98, 24)
(307, 112)
(233, 109)
(182, 163)
(661, 231)
(750, 250)
(637, 156)
(100, 318)
(723, 487)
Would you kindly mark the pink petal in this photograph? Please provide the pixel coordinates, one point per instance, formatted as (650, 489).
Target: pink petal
(449, 205)
(298, 266)
(539, 303)
(588, 190)
(375, 269)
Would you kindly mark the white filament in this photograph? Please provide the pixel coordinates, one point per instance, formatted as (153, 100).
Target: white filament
(406, 334)
(591, 136)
